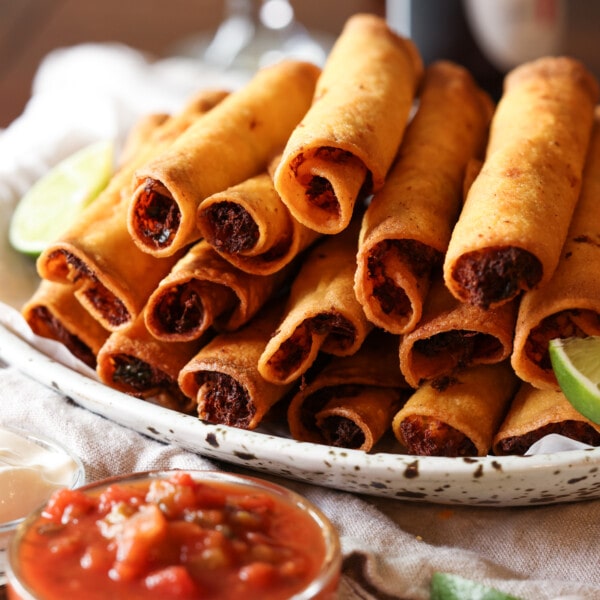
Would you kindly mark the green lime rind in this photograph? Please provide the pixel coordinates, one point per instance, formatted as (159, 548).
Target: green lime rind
(55, 201)
(448, 586)
(576, 364)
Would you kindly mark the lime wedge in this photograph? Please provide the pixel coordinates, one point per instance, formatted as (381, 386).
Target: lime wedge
(576, 364)
(448, 586)
(55, 200)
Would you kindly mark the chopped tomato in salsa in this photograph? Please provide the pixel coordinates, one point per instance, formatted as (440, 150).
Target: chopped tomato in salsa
(174, 537)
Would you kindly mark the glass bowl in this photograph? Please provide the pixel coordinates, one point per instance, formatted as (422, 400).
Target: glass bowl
(32, 466)
(207, 534)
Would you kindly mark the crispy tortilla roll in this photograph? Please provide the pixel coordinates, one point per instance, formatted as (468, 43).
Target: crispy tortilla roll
(204, 290)
(457, 415)
(250, 226)
(112, 276)
(514, 222)
(322, 312)
(535, 413)
(351, 401)
(232, 144)
(134, 362)
(348, 139)
(569, 305)
(452, 335)
(407, 225)
(223, 378)
(53, 312)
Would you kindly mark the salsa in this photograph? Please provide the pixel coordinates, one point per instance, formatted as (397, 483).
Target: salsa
(174, 536)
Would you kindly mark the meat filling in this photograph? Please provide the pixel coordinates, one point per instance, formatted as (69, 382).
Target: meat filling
(180, 309)
(157, 215)
(495, 275)
(427, 436)
(223, 400)
(295, 349)
(341, 432)
(576, 430)
(233, 229)
(137, 374)
(560, 325)
(418, 257)
(106, 304)
(50, 327)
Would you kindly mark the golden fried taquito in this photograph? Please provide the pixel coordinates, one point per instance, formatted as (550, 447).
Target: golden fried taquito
(112, 276)
(535, 413)
(322, 312)
(408, 223)
(347, 141)
(133, 361)
(53, 312)
(452, 335)
(250, 226)
(234, 143)
(509, 235)
(204, 290)
(457, 415)
(350, 402)
(223, 379)
(569, 304)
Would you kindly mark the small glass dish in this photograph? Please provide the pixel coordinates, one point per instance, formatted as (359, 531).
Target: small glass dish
(208, 534)
(32, 466)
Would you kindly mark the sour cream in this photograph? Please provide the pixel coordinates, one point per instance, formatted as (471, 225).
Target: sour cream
(30, 470)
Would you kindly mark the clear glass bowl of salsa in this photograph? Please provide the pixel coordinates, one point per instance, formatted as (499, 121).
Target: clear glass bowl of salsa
(176, 535)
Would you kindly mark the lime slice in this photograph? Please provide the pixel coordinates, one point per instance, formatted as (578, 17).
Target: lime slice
(576, 364)
(448, 586)
(55, 200)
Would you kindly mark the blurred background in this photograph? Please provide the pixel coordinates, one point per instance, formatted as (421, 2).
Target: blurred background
(488, 36)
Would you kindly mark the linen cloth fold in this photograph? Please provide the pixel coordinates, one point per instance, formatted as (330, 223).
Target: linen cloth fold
(391, 548)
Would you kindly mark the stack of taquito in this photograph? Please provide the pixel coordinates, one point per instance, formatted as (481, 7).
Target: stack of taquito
(371, 251)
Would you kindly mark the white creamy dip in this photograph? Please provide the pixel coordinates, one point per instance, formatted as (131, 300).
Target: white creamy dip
(29, 473)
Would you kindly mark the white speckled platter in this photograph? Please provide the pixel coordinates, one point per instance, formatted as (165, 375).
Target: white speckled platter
(488, 481)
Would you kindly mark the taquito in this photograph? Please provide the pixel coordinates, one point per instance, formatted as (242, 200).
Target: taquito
(53, 312)
(347, 141)
(223, 379)
(204, 290)
(457, 415)
(322, 313)
(112, 276)
(351, 401)
(250, 226)
(408, 223)
(569, 304)
(235, 142)
(509, 235)
(535, 413)
(133, 361)
(452, 335)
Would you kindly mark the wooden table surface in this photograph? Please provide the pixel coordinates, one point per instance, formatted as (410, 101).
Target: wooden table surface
(29, 29)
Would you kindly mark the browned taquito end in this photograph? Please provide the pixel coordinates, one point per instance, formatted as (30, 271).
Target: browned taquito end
(134, 362)
(569, 305)
(347, 141)
(350, 403)
(53, 312)
(457, 415)
(514, 222)
(250, 226)
(112, 276)
(223, 379)
(408, 223)
(535, 413)
(322, 312)
(233, 143)
(452, 335)
(204, 290)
